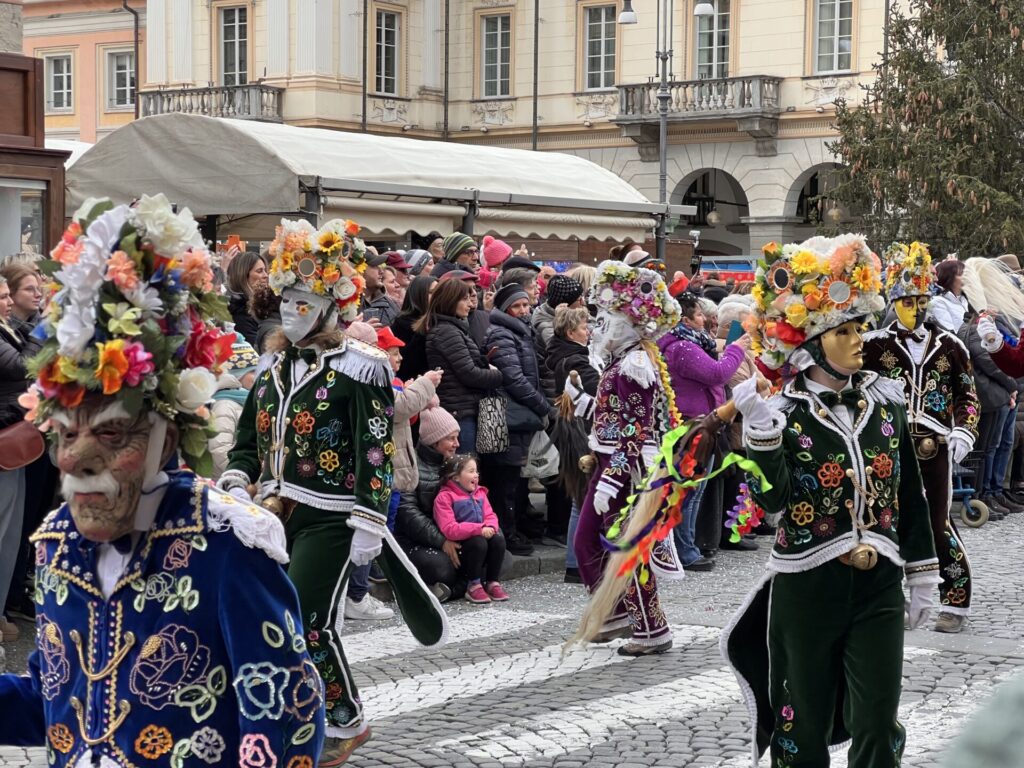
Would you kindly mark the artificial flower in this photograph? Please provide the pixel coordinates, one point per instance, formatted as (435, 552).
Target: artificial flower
(195, 389)
(123, 319)
(140, 363)
(207, 347)
(329, 241)
(787, 334)
(796, 315)
(351, 228)
(76, 328)
(167, 232)
(195, 270)
(805, 262)
(121, 270)
(112, 365)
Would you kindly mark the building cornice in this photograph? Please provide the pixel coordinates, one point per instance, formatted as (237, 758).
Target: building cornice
(78, 23)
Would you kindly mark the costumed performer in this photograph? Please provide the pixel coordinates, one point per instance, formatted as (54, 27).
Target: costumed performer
(935, 370)
(634, 408)
(168, 633)
(315, 437)
(818, 644)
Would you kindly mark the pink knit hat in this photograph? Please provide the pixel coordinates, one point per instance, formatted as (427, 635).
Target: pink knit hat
(435, 425)
(362, 332)
(495, 251)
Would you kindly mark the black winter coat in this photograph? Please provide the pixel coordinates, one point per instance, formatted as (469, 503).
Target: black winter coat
(414, 353)
(381, 308)
(467, 376)
(415, 526)
(565, 355)
(245, 324)
(994, 386)
(14, 350)
(543, 320)
(515, 355)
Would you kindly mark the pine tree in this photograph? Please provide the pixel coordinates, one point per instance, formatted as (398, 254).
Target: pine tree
(936, 150)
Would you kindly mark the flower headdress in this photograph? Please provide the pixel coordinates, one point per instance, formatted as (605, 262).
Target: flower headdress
(908, 271)
(326, 262)
(640, 295)
(133, 319)
(802, 291)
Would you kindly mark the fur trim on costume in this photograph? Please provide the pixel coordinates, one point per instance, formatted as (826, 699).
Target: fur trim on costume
(253, 526)
(888, 389)
(365, 364)
(638, 366)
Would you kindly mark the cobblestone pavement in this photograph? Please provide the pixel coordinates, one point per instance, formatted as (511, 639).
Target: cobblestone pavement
(502, 694)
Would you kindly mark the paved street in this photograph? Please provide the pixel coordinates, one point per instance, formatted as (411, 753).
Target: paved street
(502, 694)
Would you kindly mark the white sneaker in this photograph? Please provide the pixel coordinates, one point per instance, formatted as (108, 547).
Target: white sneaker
(367, 609)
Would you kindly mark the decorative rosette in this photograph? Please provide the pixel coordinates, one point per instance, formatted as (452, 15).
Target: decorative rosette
(639, 294)
(801, 291)
(133, 319)
(327, 262)
(908, 271)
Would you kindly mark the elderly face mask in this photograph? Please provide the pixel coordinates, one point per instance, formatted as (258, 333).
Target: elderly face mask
(303, 313)
(107, 458)
(613, 334)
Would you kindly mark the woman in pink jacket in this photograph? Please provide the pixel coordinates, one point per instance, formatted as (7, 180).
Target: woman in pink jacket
(463, 513)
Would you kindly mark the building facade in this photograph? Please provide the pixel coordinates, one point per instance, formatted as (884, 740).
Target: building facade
(88, 50)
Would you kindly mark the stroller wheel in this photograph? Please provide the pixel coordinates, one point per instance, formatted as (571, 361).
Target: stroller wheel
(974, 514)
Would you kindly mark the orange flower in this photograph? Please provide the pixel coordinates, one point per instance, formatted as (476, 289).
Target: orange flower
(831, 475)
(153, 742)
(121, 271)
(196, 272)
(303, 423)
(61, 738)
(262, 421)
(882, 466)
(351, 228)
(331, 274)
(112, 366)
(300, 761)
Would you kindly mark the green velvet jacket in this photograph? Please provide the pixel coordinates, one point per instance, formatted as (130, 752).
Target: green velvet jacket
(834, 487)
(309, 440)
(939, 392)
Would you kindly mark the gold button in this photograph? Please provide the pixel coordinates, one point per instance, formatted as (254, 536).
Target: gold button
(862, 403)
(849, 503)
(849, 472)
(823, 413)
(287, 450)
(312, 366)
(288, 421)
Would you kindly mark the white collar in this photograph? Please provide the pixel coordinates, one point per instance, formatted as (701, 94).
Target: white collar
(817, 389)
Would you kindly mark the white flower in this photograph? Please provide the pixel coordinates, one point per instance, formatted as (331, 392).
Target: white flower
(344, 289)
(170, 233)
(75, 329)
(195, 389)
(147, 299)
(281, 280)
(207, 745)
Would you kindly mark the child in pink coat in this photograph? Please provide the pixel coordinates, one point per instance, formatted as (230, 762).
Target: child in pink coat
(463, 513)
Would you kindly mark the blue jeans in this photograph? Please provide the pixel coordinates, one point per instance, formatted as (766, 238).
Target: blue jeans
(359, 583)
(686, 531)
(467, 435)
(570, 550)
(1004, 448)
(396, 497)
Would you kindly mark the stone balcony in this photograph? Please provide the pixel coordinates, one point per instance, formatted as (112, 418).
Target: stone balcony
(752, 101)
(253, 101)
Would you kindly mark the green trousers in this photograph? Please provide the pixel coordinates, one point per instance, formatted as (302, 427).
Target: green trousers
(319, 544)
(835, 644)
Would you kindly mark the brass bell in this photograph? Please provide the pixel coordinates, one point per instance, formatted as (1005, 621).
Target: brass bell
(926, 448)
(863, 557)
(274, 505)
(587, 463)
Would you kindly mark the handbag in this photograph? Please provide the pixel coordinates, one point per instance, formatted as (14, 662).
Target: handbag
(522, 419)
(542, 460)
(20, 445)
(491, 426)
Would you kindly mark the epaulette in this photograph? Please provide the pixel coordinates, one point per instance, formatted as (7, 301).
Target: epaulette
(363, 363)
(637, 365)
(252, 525)
(889, 389)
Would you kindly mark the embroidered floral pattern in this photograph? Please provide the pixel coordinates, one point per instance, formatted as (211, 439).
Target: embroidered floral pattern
(831, 475)
(304, 693)
(329, 461)
(178, 555)
(375, 456)
(824, 527)
(60, 737)
(169, 660)
(300, 761)
(802, 513)
(262, 421)
(255, 752)
(260, 688)
(54, 669)
(303, 423)
(882, 466)
(207, 745)
(154, 741)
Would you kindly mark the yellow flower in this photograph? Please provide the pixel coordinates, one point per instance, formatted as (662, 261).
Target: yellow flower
(758, 293)
(330, 241)
(805, 262)
(318, 287)
(802, 513)
(864, 277)
(796, 315)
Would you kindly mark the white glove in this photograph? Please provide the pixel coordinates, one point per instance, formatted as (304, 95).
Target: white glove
(365, 546)
(602, 502)
(991, 338)
(235, 486)
(959, 446)
(922, 600)
(572, 390)
(240, 493)
(756, 412)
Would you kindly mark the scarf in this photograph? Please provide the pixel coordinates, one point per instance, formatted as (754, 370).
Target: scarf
(236, 395)
(699, 337)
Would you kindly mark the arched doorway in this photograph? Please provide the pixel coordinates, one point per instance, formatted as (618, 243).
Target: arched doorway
(721, 208)
(808, 200)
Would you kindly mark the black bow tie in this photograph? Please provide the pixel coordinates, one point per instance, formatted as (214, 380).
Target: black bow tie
(307, 354)
(918, 334)
(851, 398)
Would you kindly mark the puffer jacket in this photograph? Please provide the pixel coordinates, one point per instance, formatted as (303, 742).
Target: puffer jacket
(994, 386)
(245, 324)
(415, 526)
(224, 414)
(381, 308)
(408, 403)
(414, 353)
(14, 351)
(467, 376)
(564, 356)
(543, 322)
(516, 357)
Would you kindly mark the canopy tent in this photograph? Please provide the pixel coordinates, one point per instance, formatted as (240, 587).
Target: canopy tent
(249, 174)
(76, 148)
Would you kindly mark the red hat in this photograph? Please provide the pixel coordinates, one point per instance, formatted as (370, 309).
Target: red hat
(678, 287)
(387, 340)
(396, 260)
(459, 274)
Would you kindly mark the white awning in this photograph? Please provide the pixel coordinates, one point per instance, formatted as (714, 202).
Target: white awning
(76, 148)
(241, 168)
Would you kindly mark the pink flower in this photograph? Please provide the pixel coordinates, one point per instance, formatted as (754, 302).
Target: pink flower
(787, 712)
(255, 752)
(140, 363)
(196, 272)
(121, 270)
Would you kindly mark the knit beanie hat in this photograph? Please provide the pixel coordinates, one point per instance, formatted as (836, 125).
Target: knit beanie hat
(418, 260)
(495, 251)
(455, 244)
(435, 425)
(244, 359)
(508, 295)
(363, 332)
(563, 290)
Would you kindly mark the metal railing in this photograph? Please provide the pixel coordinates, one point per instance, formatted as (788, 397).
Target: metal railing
(253, 101)
(722, 97)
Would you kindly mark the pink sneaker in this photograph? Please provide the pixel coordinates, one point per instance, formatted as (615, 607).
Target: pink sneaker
(477, 594)
(497, 593)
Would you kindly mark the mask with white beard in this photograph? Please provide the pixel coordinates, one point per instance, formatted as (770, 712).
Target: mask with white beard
(303, 313)
(613, 335)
